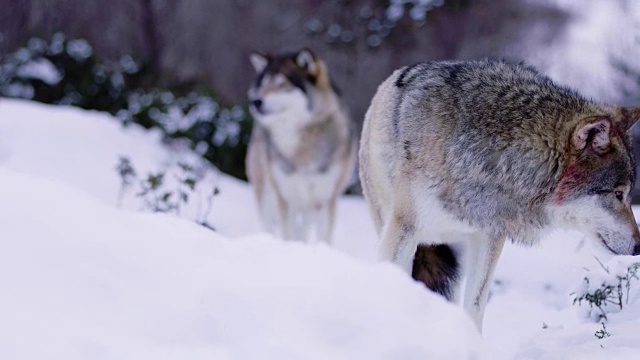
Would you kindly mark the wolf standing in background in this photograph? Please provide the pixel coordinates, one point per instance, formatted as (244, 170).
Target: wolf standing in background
(457, 156)
(302, 150)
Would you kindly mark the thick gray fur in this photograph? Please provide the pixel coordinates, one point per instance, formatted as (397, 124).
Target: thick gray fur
(484, 117)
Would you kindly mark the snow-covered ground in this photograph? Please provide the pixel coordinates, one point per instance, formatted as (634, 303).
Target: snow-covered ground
(87, 273)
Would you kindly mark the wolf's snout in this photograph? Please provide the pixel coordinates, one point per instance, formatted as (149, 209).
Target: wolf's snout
(257, 104)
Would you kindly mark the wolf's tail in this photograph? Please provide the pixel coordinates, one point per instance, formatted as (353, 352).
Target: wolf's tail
(437, 267)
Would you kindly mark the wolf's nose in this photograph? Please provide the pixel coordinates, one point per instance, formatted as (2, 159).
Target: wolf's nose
(257, 103)
(636, 250)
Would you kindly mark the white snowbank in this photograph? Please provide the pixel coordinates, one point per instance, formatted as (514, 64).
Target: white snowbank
(82, 279)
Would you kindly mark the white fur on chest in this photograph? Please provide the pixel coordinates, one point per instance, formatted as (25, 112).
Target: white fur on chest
(434, 224)
(307, 189)
(285, 114)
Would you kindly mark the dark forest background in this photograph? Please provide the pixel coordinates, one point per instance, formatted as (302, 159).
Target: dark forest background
(207, 43)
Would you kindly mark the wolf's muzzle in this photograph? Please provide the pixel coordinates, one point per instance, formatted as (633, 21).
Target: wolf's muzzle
(257, 104)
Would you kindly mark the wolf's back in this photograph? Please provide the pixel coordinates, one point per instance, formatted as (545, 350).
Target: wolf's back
(489, 97)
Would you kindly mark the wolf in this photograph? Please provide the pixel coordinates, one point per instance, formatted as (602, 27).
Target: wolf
(456, 157)
(303, 147)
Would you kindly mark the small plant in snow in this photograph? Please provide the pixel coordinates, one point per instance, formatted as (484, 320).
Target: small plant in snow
(155, 197)
(127, 176)
(169, 190)
(608, 297)
(602, 333)
(609, 291)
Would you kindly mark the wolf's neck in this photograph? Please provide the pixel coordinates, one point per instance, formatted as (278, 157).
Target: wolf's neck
(293, 131)
(286, 131)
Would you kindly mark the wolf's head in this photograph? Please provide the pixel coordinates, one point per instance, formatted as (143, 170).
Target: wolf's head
(285, 84)
(593, 194)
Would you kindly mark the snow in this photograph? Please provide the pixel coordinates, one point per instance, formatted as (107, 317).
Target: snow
(41, 69)
(417, 12)
(79, 49)
(84, 278)
(90, 281)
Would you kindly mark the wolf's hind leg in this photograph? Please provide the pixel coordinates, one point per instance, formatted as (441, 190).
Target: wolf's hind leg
(399, 243)
(481, 257)
(437, 267)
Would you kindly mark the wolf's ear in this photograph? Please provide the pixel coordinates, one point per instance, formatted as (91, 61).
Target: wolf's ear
(628, 116)
(592, 133)
(258, 61)
(306, 60)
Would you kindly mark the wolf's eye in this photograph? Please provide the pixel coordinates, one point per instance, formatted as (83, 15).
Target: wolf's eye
(619, 195)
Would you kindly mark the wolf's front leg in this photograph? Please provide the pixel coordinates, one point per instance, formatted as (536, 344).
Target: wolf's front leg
(289, 224)
(270, 213)
(286, 219)
(304, 223)
(398, 243)
(296, 223)
(481, 257)
(325, 215)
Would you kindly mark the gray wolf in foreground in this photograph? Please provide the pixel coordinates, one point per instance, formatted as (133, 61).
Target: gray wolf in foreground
(302, 150)
(457, 156)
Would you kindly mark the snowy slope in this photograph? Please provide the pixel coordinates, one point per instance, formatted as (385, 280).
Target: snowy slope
(81, 148)
(82, 278)
(86, 280)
